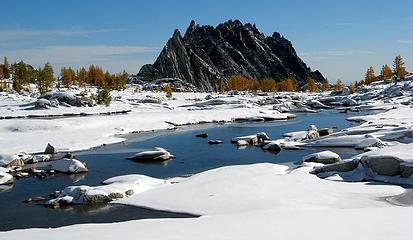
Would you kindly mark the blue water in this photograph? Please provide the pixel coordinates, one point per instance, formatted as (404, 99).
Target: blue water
(192, 154)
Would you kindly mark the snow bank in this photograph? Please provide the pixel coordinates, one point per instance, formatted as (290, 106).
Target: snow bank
(113, 188)
(236, 189)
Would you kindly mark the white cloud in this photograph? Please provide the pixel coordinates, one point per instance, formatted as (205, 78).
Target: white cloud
(405, 41)
(112, 58)
(26, 34)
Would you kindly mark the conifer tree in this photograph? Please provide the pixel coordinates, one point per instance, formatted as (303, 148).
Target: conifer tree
(386, 72)
(370, 76)
(45, 79)
(339, 85)
(398, 67)
(6, 68)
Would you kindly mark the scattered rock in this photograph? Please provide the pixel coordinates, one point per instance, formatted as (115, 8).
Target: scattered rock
(115, 195)
(129, 192)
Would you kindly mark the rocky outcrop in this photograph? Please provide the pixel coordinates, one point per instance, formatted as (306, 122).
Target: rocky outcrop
(205, 55)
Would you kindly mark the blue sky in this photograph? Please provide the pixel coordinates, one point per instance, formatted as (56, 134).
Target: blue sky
(340, 38)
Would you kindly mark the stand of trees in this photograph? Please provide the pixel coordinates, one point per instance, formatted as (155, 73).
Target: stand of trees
(23, 74)
(267, 84)
(398, 72)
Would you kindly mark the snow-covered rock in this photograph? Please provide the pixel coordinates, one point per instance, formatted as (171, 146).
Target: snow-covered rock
(5, 178)
(66, 165)
(157, 154)
(325, 157)
(10, 160)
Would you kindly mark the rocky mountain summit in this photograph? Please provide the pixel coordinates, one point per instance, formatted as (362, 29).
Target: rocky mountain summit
(205, 55)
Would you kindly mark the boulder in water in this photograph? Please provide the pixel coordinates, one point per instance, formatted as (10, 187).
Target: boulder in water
(158, 154)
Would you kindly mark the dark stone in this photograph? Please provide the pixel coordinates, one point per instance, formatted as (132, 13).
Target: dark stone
(50, 149)
(129, 192)
(202, 135)
(325, 131)
(205, 55)
(115, 195)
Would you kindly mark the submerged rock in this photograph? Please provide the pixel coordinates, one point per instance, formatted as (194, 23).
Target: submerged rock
(158, 154)
(202, 135)
(215, 142)
(272, 146)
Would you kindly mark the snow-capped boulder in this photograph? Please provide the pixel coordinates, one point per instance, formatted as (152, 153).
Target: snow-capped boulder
(262, 136)
(312, 132)
(10, 160)
(250, 139)
(341, 166)
(157, 154)
(241, 143)
(316, 104)
(43, 103)
(66, 165)
(324, 157)
(5, 178)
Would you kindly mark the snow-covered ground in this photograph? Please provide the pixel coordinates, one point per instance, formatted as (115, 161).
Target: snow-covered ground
(258, 201)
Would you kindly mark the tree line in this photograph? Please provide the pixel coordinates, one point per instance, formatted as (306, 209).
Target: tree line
(44, 77)
(398, 72)
(267, 84)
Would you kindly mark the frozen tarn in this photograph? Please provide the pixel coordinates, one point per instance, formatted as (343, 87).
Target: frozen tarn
(94, 129)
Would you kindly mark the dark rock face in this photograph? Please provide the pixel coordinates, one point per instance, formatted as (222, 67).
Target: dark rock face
(205, 55)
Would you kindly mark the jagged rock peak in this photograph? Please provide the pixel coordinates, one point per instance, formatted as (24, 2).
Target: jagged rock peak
(205, 55)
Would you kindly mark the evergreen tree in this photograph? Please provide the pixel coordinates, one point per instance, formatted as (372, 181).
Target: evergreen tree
(398, 67)
(6, 68)
(104, 96)
(370, 76)
(386, 72)
(82, 77)
(68, 76)
(339, 85)
(45, 79)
